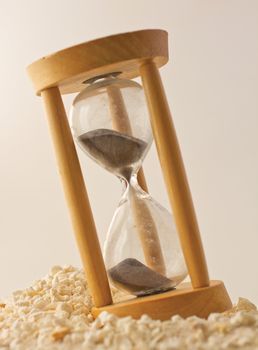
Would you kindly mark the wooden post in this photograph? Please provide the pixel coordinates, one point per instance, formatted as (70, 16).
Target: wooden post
(121, 122)
(147, 230)
(174, 174)
(77, 198)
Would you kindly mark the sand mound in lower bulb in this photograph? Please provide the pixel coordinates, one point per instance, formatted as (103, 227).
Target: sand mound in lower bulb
(138, 279)
(54, 313)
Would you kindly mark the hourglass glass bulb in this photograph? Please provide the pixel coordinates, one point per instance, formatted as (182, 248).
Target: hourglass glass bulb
(115, 136)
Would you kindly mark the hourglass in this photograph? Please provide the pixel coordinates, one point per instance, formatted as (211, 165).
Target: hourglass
(147, 252)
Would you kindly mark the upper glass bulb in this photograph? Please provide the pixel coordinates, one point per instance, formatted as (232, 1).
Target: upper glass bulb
(115, 136)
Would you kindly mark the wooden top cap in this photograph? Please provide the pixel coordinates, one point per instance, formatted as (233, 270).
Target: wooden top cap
(124, 53)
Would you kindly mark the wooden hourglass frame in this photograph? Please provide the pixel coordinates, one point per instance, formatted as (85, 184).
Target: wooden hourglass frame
(133, 54)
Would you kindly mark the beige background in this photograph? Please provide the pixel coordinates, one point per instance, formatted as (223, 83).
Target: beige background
(212, 85)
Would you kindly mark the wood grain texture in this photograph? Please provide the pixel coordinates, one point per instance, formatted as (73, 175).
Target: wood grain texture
(124, 53)
(184, 301)
(174, 174)
(77, 198)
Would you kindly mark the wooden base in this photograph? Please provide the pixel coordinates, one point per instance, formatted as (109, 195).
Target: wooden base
(184, 301)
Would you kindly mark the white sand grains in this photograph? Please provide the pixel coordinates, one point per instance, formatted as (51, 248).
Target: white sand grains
(54, 313)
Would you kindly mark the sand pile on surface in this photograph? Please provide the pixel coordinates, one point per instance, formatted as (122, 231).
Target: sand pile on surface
(54, 313)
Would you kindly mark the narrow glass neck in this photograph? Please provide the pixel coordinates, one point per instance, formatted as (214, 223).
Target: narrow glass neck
(130, 186)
